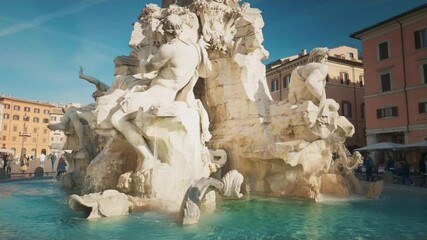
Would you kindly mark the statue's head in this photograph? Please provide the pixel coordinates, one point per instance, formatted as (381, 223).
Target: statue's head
(149, 10)
(318, 54)
(172, 25)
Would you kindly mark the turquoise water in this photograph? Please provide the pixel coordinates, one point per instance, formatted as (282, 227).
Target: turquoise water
(38, 210)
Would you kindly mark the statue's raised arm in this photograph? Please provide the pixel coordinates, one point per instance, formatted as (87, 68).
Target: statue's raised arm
(101, 87)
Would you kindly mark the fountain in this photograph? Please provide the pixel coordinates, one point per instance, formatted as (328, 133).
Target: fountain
(189, 114)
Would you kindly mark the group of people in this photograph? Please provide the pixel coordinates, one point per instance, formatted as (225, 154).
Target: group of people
(400, 168)
(7, 160)
(24, 162)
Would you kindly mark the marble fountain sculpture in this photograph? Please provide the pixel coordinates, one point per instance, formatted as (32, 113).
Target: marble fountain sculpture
(189, 118)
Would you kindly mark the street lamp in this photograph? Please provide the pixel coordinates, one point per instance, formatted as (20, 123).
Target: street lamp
(24, 134)
(37, 141)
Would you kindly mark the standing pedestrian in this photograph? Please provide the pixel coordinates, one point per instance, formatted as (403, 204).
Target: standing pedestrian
(52, 158)
(61, 166)
(369, 166)
(42, 157)
(9, 163)
(24, 163)
(4, 157)
(405, 169)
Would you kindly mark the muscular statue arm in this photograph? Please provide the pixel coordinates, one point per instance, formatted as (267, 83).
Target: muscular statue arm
(160, 59)
(315, 83)
(100, 86)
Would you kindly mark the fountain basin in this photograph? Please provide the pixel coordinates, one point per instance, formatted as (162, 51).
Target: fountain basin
(39, 208)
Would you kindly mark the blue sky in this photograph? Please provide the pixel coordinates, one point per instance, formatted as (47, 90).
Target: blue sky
(43, 42)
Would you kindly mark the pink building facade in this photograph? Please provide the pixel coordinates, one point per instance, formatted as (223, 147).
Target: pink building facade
(395, 65)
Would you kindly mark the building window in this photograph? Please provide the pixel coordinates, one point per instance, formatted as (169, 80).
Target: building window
(361, 80)
(36, 119)
(27, 109)
(44, 140)
(4, 138)
(6, 116)
(52, 139)
(351, 56)
(383, 50)
(14, 138)
(344, 78)
(422, 107)
(53, 118)
(26, 118)
(45, 120)
(45, 111)
(35, 130)
(45, 131)
(7, 106)
(424, 73)
(16, 108)
(346, 109)
(286, 81)
(5, 128)
(362, 111)
(387, 112)
(274, 85)
(385, 82)
(420, 38)
(36, 110)
(15, 128)
(15, 117)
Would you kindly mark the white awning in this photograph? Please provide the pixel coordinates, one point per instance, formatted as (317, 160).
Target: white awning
(381, 146)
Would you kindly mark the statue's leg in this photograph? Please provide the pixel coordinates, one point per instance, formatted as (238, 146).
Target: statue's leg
(87, 116)
(121, 121)
(78, 128)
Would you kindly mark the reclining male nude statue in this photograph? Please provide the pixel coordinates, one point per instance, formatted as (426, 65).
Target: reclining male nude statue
(177, 62)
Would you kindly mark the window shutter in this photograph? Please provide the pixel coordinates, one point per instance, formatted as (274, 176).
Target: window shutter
(383, 50)
(385, 82)
(425, 72)
(417, 39)
(379, 115)
(394, 112)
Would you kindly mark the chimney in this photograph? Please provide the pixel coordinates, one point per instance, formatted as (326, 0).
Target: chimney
(303, 52)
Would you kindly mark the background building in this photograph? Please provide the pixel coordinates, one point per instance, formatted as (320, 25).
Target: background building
(395, 60)
(1, 117)
(24, 126)
(345, 84)
(57, 138)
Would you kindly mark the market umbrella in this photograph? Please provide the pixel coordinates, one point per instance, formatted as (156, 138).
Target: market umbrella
(422, 144)
(381, 146)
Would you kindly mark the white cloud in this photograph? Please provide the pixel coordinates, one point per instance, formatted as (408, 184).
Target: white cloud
(44, 18)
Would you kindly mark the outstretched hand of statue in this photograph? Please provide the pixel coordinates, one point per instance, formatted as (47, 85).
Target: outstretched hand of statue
(203, 43)
(81, 75)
